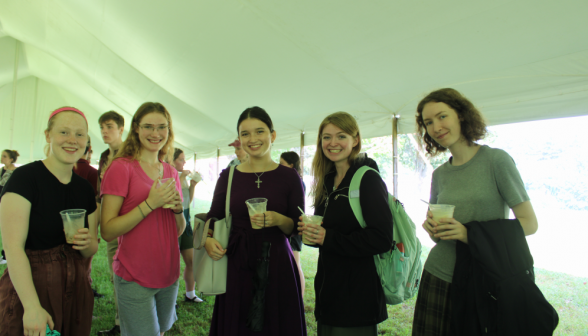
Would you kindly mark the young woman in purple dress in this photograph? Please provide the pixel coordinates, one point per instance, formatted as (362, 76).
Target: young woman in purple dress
(281, 186)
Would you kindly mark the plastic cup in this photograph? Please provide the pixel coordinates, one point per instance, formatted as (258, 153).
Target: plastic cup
(163, 182)
(441, 211)
(73, 220)
(195, 176)
(310, 219)
(256, 206)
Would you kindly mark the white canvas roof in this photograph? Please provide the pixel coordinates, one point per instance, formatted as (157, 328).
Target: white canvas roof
(207, 61)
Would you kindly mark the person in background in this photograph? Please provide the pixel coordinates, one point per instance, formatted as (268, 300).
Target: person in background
(482, 183)
(292, 160)
(90, 174)
(46, 283)
(186, 240)
(8, 159)
(240, 152)
(112, 126)
(147, 218)
(349, 295)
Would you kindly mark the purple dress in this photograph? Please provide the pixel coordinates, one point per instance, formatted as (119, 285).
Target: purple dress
(284, 308)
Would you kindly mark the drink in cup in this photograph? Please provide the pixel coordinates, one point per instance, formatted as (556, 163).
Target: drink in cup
(163, 182)
(310, 219)
(73, 220)
(256, 206)
(441, 211)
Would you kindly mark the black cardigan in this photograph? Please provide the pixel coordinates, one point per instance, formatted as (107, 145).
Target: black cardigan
(347, 287)
(493, 291)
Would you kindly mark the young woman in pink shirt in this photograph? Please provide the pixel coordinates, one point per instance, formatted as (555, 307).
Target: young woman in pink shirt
(147, 263)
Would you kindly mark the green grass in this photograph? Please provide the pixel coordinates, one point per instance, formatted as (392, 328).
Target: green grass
(568, 294)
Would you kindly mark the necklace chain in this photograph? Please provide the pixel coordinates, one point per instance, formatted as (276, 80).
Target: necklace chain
(259, 181)
(159, 168)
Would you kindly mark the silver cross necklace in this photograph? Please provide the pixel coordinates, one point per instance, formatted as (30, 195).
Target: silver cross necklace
(258, 176)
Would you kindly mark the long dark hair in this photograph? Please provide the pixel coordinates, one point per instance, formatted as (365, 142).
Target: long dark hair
(293, 159)
(256, 112)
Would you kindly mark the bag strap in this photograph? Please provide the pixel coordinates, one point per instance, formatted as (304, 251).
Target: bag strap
(227, 211)
(228, 200)
(354, 193)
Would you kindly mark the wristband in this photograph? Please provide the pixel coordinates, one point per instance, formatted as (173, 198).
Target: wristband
(148, 205)
(177, 213)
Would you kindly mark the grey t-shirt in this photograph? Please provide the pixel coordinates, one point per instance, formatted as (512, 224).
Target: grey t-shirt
(482, 189)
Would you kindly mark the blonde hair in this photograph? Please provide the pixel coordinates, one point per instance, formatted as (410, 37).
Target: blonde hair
(321, 165)
(132, 145)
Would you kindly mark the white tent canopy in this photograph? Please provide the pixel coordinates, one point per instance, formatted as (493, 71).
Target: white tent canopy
(207, 61)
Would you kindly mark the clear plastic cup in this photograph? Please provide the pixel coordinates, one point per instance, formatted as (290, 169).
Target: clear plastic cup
(256, 206)
(310, 219)
(441, 211)
(73, 220)
(163, 182)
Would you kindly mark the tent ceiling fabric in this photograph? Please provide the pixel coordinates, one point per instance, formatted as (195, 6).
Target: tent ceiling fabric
(207, 61)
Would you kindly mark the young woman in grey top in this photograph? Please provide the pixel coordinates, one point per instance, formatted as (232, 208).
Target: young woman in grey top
(482, 182)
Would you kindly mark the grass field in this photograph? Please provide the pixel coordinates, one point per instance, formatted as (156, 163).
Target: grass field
(568, 294)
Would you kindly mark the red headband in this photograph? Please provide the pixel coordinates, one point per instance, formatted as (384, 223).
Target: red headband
(67, 108)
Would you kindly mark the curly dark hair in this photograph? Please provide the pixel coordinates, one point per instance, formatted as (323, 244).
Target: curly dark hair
(473, 127)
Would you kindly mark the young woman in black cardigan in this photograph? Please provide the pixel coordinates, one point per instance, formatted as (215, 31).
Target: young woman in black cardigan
(349, 297)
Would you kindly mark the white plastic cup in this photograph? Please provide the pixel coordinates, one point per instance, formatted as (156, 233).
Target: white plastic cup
(73, 220)
(310, 219)
(161, 183)
(195, 176)
(256, 206)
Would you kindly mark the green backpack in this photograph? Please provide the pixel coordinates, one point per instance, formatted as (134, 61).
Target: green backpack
(399, 269)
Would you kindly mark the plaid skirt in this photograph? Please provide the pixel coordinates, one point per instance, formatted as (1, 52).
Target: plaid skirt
(432, 312)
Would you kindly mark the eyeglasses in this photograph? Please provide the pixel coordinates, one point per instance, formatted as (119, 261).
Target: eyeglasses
(151, 128)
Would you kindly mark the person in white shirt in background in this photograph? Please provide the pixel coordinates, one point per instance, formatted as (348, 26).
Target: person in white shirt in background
(186, 240)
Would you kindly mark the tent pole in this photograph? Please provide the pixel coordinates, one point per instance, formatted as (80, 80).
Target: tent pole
(194, 200)
(14, 80)
(395, 155)
(301, 153)
(34, 118)
(217, 161)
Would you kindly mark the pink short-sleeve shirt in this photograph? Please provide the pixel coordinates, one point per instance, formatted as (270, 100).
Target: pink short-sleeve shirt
(148, 254)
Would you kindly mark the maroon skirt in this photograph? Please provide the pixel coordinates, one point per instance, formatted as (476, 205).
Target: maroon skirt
(61, 281)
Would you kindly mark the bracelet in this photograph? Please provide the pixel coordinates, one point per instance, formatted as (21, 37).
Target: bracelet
(177, 213)
(148, 205)
(142, 214)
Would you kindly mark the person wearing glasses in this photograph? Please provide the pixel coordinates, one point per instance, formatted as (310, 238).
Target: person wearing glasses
(147, 218)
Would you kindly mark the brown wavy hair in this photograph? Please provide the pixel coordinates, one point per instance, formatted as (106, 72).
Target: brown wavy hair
(473, 126)
(321, 165)
(132, 145)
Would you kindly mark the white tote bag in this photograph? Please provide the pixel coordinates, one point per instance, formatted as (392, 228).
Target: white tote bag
(210, 275)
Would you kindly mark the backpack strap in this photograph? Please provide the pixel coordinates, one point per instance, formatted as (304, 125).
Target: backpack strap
(354, 193)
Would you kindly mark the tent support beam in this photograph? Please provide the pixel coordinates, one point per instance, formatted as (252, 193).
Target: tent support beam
(33, 118)
(14, 81)
(217, 161)
(194, 200)
(301, 153)
(395, 155)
